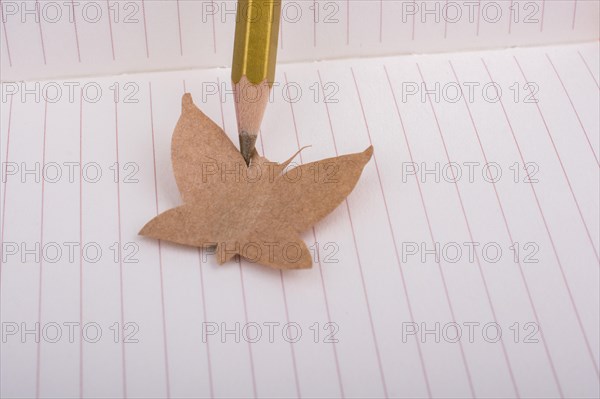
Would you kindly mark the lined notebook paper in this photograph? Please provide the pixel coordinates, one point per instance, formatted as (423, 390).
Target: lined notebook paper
(464, 264)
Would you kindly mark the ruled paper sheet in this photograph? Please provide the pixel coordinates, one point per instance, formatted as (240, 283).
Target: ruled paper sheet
(464, 264)
(47, 39)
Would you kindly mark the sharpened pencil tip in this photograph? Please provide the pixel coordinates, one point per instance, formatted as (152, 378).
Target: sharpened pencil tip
(247, 143)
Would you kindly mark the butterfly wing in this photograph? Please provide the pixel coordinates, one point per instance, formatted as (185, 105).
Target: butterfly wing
(279, 248)
(181, 225)
(304, 195)
(200, 153)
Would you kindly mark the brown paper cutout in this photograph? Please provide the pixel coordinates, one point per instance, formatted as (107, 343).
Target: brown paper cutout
(256, 211)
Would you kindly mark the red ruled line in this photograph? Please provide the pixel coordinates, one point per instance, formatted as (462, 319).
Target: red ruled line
(4, 177)
(159, 247)
(510, 236)
(5, 36)
(588, 68)
(327, 308)
(547, 228)
(443, 278)
(587, 137)
(145, 29)
(396, 252)
(37, 8)
(204, 311)
(244, 301)
(214, 29)
(360, 268)
(179, 29)
(81, 240)
(121, 288)
(562, 167)
(468, 225)
(41, 274)
(110, 30)
(75, 30)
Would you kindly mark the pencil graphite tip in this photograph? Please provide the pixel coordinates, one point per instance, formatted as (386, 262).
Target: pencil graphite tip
(247, 143)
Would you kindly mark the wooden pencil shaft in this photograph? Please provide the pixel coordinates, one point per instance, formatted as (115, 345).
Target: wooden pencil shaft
(253, 67)
(250, 104)
(255, 45)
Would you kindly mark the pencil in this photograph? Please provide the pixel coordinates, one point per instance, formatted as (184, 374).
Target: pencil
(253, 67)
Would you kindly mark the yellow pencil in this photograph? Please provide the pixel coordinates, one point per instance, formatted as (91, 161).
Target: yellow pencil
(253, 70)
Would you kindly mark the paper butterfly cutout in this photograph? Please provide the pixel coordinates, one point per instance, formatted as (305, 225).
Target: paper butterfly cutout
(256, 211)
